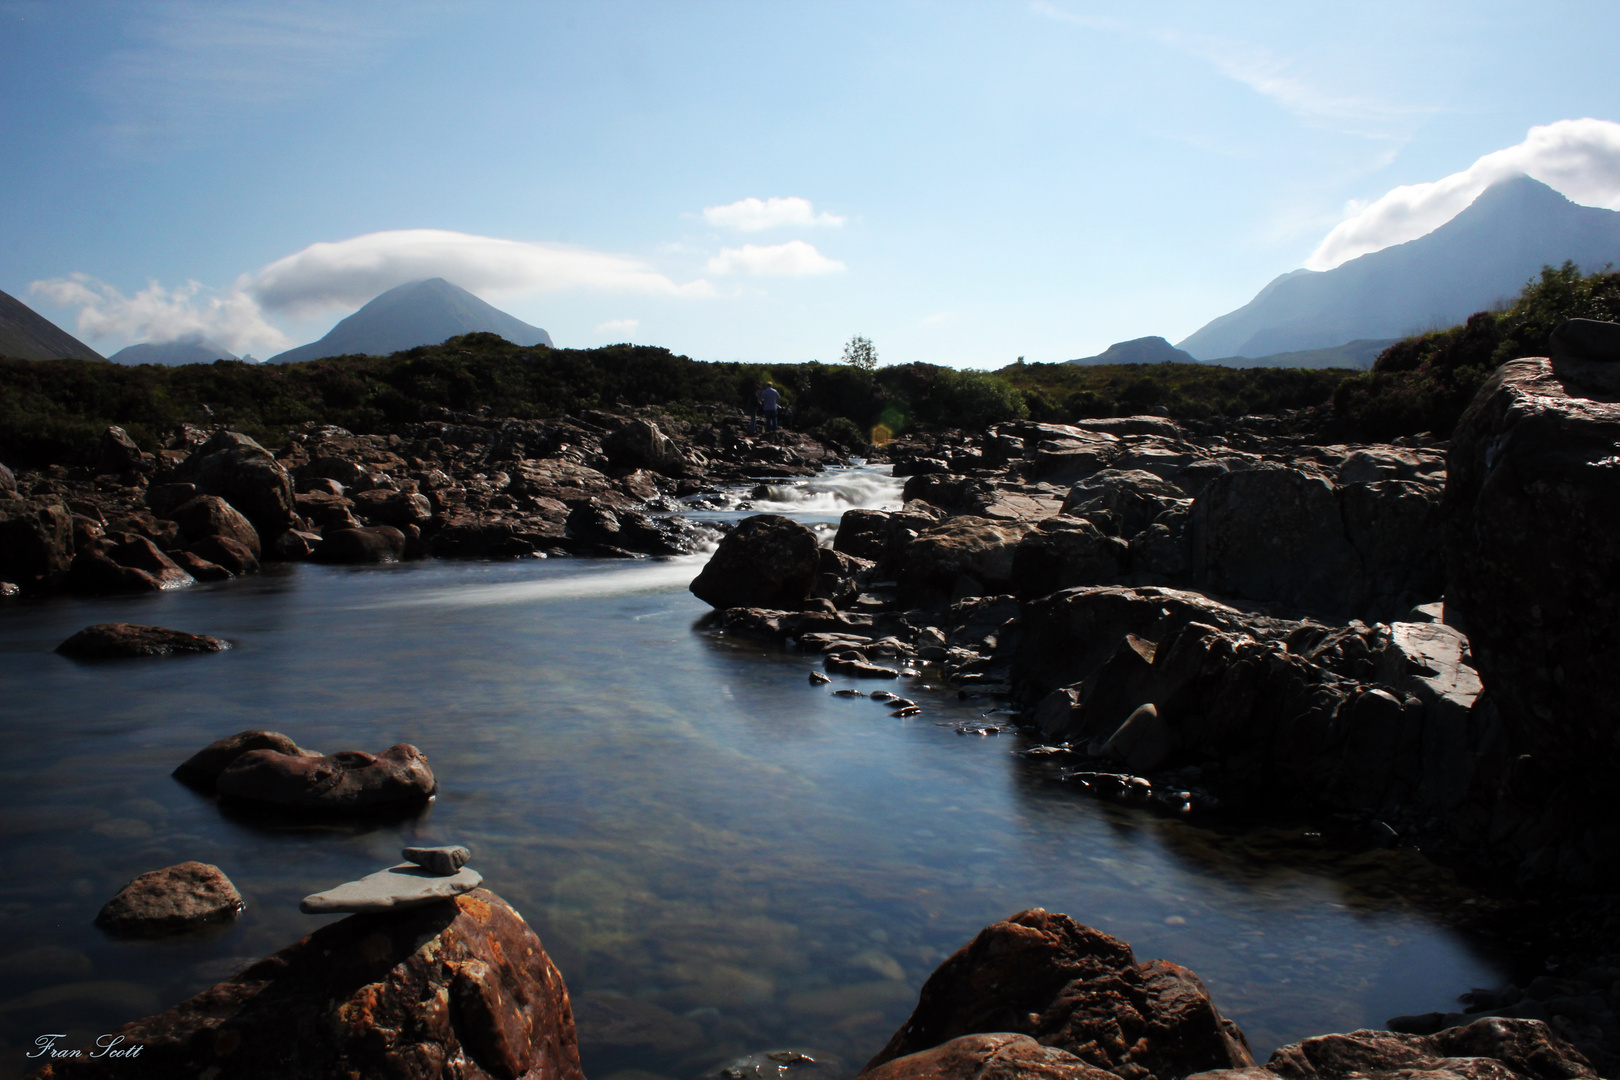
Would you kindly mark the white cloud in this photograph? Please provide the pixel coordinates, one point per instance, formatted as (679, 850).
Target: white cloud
(756, 215)
(1580, 158)
(231, 319)
(350, 272)
(792, 259)
(615, 327)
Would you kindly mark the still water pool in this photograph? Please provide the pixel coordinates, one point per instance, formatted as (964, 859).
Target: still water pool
(721, 858)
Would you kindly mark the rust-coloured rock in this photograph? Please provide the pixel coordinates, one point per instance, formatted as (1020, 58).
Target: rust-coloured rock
(348, 781)
(1071, 987)
(173, 900)
(998, 1056)
(108, 640)
(460, 990)
(223, 551)
(210, 515)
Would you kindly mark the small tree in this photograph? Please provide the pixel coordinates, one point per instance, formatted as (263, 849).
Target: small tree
(860, 353)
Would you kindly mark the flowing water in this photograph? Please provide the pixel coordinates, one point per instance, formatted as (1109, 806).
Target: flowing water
(721, 858)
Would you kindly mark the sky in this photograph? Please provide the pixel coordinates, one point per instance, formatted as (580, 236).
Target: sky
(963, 183)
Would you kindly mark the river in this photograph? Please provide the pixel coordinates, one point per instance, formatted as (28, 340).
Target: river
(720, 857)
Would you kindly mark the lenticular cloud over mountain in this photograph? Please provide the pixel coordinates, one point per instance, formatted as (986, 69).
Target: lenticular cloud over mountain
(350, 272)
(1580, 158)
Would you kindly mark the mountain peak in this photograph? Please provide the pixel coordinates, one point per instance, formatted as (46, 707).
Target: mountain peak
(424, 312)
(1142, 350)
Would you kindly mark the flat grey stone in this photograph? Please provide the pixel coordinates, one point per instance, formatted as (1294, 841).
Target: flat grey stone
(439, 860)
(402, 886)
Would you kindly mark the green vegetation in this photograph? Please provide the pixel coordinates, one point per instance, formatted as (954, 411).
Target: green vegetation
(1059, 393)
(1424, 383)
(859, 352)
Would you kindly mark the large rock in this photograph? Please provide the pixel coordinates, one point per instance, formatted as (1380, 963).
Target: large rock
(201, 770)
(999, 1056)
(107, 640)
(1532, 538)
(767, 561)
(225, 552)
(8, 482)
(640, 445)
(396, 508)
(247, 476)
(1063, 552)
(372, 544)
(209, 515)
(457, 990)
(174, 900)
(965, 556)
(36, 540)
(1275, 533)
(1490, 1049)
(1126, 499)
(119, 454)
(1077, 989)
(346, 782)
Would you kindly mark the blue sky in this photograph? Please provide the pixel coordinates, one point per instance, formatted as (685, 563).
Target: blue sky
(963, 183)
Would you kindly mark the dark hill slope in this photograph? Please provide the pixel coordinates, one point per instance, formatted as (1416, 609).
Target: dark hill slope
(28, 335)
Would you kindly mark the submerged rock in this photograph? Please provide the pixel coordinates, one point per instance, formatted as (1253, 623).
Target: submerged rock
(461, 989)
(202, 769)
(108, 640)
(767, 561)
(342, 783)
(173, 900)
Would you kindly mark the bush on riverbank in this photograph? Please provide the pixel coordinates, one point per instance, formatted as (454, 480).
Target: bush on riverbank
(1060, 393)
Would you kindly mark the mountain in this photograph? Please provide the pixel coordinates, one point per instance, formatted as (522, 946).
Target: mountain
(1142, 350)
(28, 335)
(1352, 354)
(197, 350)
(1485, 254)
(416, 313)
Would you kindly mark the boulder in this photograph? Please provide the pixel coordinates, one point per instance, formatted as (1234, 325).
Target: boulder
(339, 470)
(1532, 548)
(162, 499)
(457, 990)
(965, 556)
(209, 515)
(107, 640)
(247, 476)
(202, 769)
(36, 540)
(174, 900)
(767, 561)
(324, 510)
(838, 576)
(224, 551)
(1079, 990)
(1063, 552)
(119, 454)
(1128, 499)
(1489, 1049)
(8, 482)
(999, 1056)
(200, 568)
(863, 534)
(346, 782)
(94, 573)
(1586, 339)
(396, 508)
(640, 445)
(372, 544)
(1275, 533)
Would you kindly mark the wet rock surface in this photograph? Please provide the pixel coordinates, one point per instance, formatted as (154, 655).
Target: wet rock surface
(348, 782)
(201, 770)
(105, 641)
(766, 561)
(460, 988)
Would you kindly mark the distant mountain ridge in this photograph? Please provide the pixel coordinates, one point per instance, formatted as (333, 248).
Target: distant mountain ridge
(1483, 255)
(1142, 350)
(196, 350)
(28, 335)
(416, 313)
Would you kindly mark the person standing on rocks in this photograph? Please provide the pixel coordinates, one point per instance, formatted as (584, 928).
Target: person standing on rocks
(754, 407)
(769, 401)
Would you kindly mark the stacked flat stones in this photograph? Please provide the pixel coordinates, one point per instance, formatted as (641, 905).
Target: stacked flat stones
(428, 874)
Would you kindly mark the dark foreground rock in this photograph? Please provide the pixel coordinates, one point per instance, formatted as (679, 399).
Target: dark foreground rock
(767, 561)
(202, 769)
(105, 641)
(174, 900)
(1076, 989)
(346, 782)
(461, 989)
(1000, 1056)
(1492, 1049)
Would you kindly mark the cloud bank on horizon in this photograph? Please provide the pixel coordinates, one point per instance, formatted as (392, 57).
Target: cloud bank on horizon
(232, 318)
(1580, 158)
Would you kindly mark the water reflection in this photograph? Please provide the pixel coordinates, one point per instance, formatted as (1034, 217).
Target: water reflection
(721, 858)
